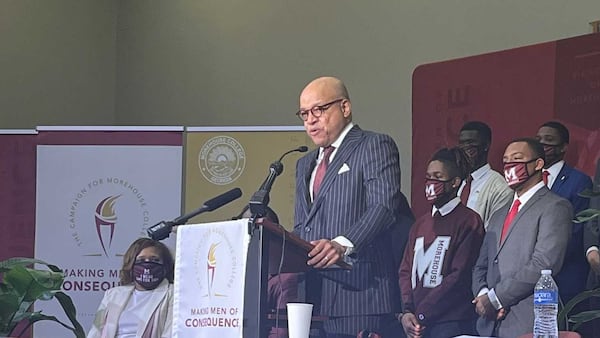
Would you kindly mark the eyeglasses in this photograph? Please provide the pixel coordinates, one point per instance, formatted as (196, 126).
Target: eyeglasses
(316, 111)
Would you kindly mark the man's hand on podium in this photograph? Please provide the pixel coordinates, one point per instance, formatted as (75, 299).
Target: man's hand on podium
(325, 253)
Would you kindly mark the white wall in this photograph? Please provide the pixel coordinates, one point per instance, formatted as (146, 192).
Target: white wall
(241, 62)
(244, 62)
(57, 62)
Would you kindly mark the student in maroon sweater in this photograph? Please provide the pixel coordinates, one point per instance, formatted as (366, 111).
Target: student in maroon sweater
(443, 245)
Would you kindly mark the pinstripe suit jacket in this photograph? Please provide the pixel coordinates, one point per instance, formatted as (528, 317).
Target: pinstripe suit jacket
(362, 204)
(536, 240)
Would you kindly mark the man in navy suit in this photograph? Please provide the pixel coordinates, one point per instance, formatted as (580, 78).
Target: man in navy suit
(567, 182)
(348, 201)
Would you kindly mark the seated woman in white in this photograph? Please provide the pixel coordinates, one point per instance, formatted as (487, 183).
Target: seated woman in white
(143, 305)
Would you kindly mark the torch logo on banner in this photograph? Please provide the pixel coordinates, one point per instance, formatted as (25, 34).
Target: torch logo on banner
(211, 265)
(106, 218)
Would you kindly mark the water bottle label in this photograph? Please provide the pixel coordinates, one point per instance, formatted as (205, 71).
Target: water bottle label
(544, 297)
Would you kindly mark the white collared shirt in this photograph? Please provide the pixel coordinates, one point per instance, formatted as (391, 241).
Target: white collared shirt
(446, 208)
(528, 194)
(480, 176)
(336, 146)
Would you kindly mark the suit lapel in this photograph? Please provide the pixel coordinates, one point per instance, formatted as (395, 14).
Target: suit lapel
(563, 175)
(346, 149)
(306, 171)
(532, 201)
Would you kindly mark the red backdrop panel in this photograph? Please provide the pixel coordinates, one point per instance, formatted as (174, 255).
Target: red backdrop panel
(17, 195)
(18, 175)
(514, 91)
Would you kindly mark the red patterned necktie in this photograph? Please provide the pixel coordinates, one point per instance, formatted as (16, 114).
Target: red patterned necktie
(321, 169)
(545, 175)
(514, 209)
(464, 194)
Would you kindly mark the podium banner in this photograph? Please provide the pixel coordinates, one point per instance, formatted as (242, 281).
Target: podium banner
(210, 269)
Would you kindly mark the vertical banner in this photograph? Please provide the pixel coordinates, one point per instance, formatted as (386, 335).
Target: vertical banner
(210, 270)
(221, 158)
(17, 192)
(98, 191)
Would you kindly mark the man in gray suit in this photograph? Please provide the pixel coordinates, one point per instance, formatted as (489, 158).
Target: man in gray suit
(348, 200)
(527, 235)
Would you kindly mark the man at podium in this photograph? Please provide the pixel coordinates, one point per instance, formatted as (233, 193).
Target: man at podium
(348, 200)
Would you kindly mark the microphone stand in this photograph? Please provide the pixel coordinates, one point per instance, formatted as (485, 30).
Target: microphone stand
(260, 199)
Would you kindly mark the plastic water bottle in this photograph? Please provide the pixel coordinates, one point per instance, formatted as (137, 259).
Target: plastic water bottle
(545, 307)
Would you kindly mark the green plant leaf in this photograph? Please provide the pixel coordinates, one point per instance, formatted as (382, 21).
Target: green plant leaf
(33, 284)
(589, 193)
(39, 316)
(22, 285)
(564, 315)
(9, 304)
(583, 317)
(10, 263)
(71, 312)
(586, 215)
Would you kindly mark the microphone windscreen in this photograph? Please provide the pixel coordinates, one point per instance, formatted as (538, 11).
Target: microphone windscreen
(159, 231)
(223, 199)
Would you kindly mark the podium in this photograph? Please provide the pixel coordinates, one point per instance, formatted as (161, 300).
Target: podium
(267, 244)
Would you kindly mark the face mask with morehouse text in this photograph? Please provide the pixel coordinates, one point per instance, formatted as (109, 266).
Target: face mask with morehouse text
(148, 274)
(516, 173)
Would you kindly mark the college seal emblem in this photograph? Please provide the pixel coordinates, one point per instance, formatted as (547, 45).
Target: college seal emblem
(221, 160)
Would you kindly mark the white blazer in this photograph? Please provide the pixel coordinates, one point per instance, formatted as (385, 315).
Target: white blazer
(156, 318)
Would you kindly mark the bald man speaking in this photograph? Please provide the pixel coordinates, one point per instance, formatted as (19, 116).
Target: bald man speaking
(348, 201)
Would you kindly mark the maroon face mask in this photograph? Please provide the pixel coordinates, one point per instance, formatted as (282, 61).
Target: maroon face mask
(515, 173)
(148, 274)
(434, 189)
(552, 152)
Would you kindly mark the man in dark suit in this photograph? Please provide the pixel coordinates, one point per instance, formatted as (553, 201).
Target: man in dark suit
(348, 200)
(567, 182)
(527, 235)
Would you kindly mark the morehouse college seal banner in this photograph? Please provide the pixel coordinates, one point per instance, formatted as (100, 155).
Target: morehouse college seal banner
(210, 273)
(221, 158)
(98, 191)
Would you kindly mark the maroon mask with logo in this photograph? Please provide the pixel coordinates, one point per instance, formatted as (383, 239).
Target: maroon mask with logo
(516, 173)
(434, 189)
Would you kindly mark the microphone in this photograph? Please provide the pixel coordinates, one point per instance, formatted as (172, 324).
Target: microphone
(301, 149)
(162, 229)
(260, 199)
